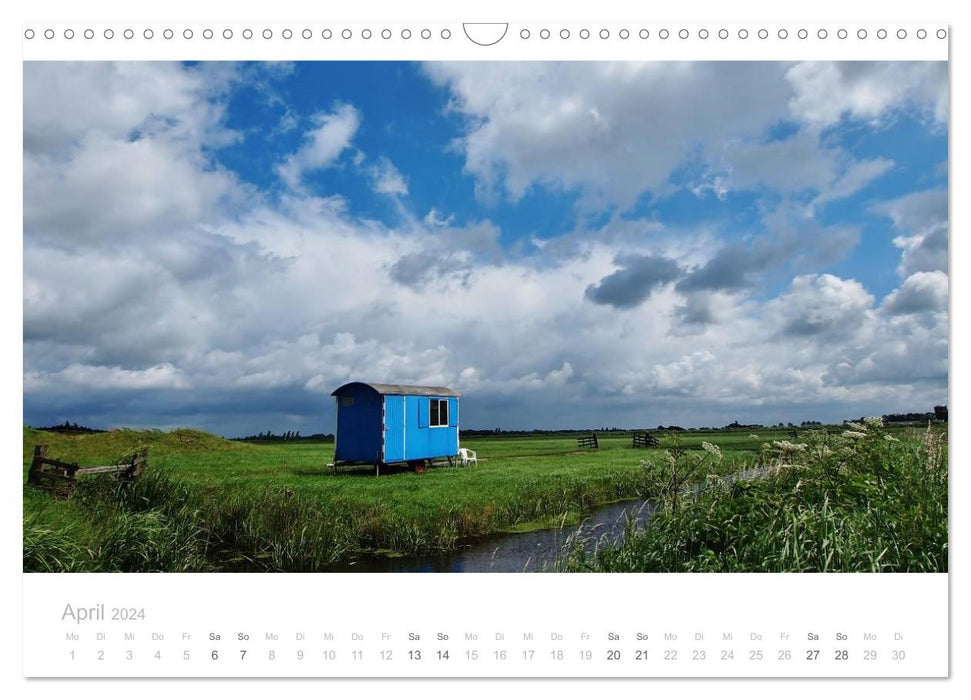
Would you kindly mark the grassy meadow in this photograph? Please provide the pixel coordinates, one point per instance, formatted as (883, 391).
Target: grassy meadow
(208, 504)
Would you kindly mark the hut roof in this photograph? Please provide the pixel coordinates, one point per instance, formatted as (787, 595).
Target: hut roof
(400, 389)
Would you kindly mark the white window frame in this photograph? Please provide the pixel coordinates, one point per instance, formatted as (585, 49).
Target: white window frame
(434, 416)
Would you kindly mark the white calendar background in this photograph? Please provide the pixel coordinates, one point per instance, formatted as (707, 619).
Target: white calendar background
(284, 606)
(475, 625)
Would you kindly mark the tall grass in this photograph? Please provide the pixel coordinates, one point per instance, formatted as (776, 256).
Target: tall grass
(863, 501)
(161, 524)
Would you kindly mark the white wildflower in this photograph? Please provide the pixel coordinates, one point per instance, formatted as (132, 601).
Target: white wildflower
(790, 447)
(873, 422)
(855, 434)
(713, 450)
(890, 438)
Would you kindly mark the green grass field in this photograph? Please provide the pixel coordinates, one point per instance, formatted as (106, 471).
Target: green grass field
(208, 504)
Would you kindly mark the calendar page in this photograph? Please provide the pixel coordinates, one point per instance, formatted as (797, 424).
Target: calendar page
(414, 346)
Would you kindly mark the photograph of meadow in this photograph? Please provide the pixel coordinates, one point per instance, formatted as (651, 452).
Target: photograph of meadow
(485, 317)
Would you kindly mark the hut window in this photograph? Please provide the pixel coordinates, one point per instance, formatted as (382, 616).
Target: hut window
(347, 401)
(438, 413)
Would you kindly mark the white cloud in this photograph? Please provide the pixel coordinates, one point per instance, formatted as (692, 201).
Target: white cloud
(756, 165)
(826, 92)
(822, 305)
(332, 135)
(921, 292)
(70, 102)
(387, 179)
(770, 164)
(120, 189)
(129, 163)
(922, 218)
(612, 130)
(78, 376)
(857, 175)
(435, 218)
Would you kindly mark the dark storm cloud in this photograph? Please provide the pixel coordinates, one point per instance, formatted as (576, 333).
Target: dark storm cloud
(732, 268)
(227, 412)
(633, 283)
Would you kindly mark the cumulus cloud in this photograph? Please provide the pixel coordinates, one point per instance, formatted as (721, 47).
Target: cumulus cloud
(611, 130)
(134, 99)
(867, 91)
(121, 189)
(130, 163)
(822, 305)
(922, 219)
(922, 291)
(331, 136)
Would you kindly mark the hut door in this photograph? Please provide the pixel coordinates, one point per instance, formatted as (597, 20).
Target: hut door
(394, 428)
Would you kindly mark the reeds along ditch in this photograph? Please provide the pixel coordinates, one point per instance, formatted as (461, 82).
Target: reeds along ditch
(162, 524)
(861, 501)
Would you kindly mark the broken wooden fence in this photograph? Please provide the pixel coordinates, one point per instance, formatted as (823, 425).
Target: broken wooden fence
(61, 478)
(644, 440)
(588, 441)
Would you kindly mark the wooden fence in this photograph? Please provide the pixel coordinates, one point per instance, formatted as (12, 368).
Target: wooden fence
(645, 440)
(60, 478)
(588, 441)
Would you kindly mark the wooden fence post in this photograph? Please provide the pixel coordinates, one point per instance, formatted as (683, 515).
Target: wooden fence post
(36, 467)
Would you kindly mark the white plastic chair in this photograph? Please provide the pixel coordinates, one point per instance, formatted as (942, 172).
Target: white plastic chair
(467, 456)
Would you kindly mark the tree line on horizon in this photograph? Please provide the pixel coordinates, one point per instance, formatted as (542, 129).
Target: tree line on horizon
(938, 415)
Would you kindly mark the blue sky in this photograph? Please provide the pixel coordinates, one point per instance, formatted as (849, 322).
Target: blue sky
(582, 244)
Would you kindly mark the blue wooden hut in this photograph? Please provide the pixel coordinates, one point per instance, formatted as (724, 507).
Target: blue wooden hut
(389, 423)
